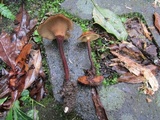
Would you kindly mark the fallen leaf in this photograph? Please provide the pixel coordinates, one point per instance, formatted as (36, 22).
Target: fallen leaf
(23, 30)
(146, 32)
(151, 50)
(14, 51)
(22, 57)
(33, 73)
(37, 92)
(110, 22)
(91, 81)
(100, 111)
(129, 49)
(157, 21)
(7, 50)
(148, 100)
(131, 78)
(138, 69)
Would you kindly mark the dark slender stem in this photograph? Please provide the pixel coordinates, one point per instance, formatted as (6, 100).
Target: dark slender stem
(90, 57)
(60, 40)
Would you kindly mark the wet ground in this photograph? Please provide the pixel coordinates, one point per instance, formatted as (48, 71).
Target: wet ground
(121, 101)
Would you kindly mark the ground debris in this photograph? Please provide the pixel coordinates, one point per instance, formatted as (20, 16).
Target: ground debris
(138, 70)
(24, 62)
(135, 60)
(100, 111)
(157, 21)
(135, 29)
(69, 92)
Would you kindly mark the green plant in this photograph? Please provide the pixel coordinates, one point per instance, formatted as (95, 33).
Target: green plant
(96, 64)
(111, 80)
(6, 12)
(15, 113)
(36, 37)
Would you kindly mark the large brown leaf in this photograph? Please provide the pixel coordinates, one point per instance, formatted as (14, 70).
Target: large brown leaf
(10, 46)
(7, 50)
(33, 73)
(24, 28)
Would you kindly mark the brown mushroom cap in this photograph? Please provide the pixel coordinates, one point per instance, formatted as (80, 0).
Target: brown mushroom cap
(88, 35)
(54, 26)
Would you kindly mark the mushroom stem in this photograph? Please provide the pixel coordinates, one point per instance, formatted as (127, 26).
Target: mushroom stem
(90, 57)
(60, 40)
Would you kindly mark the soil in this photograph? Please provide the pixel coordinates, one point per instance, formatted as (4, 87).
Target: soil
(69, 93)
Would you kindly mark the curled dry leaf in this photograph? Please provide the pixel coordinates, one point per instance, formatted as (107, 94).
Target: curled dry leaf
(91, 81)
(146, 32)
(24, 29)
(157, 21)
(37, 92)
(138, 69)
(100, 111)
(33, 73)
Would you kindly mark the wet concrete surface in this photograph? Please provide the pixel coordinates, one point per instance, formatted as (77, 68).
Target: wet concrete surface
(77, 58)
(124, 102)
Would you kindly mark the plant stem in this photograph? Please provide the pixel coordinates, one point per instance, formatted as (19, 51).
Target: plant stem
(90, 57)
(60, 40)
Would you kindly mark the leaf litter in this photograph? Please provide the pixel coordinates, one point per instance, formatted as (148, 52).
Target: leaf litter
(134, 60)
(24, 63)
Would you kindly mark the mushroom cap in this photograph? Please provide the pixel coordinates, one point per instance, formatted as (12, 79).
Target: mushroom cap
(54, 26)
(88, 35)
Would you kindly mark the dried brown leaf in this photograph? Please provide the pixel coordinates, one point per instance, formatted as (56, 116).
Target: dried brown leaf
(138, 69)
(22, 57)
(100, 111)
(7, 50)
(146, 32)
(91, 81)
(131, 78)
(38, 90)
(148, 100)
(157, 21)
(24, 28)
(33, 73)
(130, 50)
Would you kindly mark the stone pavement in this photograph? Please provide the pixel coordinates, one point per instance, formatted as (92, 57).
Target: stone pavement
(83, 9)
(121, 101)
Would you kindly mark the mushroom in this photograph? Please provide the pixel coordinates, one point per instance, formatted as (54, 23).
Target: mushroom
(90, 78)
(58, 27)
